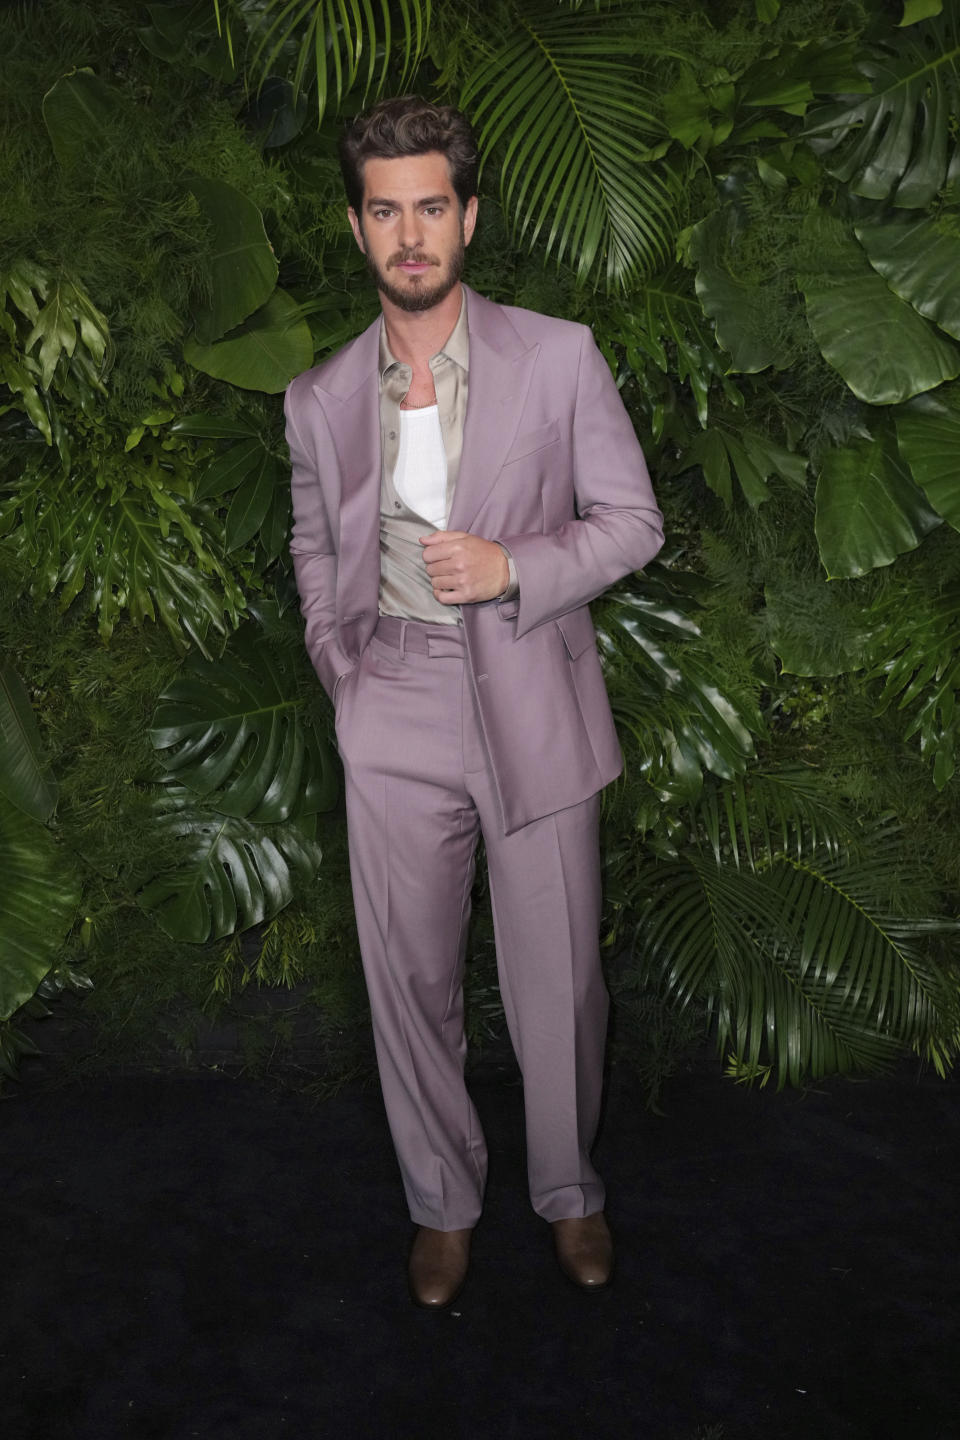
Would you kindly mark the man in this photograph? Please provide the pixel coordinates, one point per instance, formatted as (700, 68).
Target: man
(465, 480)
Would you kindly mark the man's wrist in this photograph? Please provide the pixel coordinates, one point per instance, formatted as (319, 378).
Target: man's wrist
(512, 589)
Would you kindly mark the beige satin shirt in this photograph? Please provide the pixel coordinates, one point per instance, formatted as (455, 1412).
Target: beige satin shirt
(405, 589)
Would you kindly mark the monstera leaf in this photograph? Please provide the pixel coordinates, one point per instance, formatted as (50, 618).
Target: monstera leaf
(920, 261)
(581, 143)
(218, 873)
(895, 142)
(673, 701)
(40, 899)
(264, 353)
(128, 546)
(236, 726)
(752, 456)
(928, 433)
(869, 511)
(25, 778)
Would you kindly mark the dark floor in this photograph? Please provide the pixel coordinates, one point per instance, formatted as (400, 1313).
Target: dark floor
(198, 1256)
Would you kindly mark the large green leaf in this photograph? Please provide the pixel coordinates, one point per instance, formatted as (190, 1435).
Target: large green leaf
(81, 113)
(218, 873)
(25, 778)
(581, 145)
(671, 699)
(895, 143)
(665, 324)
(128, 546)
(264, 353)
(869, 510)
(40, 899)
(237, 726)
(752, 456)
(920, 261)
(928, 433)
(336, 44)
(242, 266)
(741, 311)
(884, 350)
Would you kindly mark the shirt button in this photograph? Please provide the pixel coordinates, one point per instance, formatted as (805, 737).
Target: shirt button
(396, 505)
(391, 434)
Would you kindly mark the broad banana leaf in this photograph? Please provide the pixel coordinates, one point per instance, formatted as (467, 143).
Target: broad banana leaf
(895, 143)
(920, 261)
(225, 874)
(236, 729)
(264, 353)
(186, 34)
(25, 777)
(581, 171)
(81, 112)
(242, 267)
(928, 433)
(869, 510)
(40, 899)
(884, 350)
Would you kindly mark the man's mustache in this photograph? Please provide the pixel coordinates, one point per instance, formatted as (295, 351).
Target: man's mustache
(411, 257)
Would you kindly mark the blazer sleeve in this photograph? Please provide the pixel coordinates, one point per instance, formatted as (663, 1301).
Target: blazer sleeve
(618, 526)
(314, 555)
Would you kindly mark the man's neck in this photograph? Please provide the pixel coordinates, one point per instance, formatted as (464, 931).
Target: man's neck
(415, 336)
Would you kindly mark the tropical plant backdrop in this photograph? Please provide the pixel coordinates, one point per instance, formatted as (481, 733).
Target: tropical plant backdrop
(756, 205)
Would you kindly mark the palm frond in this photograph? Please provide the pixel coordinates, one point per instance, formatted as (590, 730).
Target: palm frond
(334, 45)
(801, 966)
(581, 168)
(915, 650)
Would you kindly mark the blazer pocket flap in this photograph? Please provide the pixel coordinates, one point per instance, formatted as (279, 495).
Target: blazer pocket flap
(577, 631)
(533, 440)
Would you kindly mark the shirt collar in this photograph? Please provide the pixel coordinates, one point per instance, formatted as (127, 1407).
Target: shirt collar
(456, 347)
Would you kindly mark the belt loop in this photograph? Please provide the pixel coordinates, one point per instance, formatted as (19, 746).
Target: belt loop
(403, 639)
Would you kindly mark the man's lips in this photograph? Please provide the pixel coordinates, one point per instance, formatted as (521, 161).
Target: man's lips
(412, 267)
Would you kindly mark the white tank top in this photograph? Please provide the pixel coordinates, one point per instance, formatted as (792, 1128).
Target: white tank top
(420, 476)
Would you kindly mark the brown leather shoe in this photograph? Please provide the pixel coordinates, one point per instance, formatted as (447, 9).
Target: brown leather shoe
(584, 1249)
(438, 1266)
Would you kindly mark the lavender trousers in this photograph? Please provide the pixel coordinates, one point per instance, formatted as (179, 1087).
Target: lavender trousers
(419, 792)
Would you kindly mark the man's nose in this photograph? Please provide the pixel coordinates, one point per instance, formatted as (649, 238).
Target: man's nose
(411, 230)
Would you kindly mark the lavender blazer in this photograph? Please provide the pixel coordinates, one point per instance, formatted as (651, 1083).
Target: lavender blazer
(552, 468)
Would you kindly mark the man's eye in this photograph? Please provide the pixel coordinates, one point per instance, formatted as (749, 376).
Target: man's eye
(382, 214)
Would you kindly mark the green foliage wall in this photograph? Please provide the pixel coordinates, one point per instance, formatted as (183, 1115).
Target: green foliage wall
(757, 208)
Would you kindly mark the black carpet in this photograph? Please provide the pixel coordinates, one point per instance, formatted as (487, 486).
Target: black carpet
(198, 1256)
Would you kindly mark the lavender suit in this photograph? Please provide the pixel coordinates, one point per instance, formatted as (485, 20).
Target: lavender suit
(501, 726)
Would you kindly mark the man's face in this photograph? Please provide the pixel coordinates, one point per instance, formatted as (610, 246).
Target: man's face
(412, 230)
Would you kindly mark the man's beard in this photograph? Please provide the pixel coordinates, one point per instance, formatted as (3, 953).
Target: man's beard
(422, 294)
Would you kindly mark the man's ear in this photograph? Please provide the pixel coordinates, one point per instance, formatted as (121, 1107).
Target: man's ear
(469, 219)
(356, 227)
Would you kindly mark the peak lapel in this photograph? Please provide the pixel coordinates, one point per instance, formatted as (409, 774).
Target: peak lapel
(501, 366)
